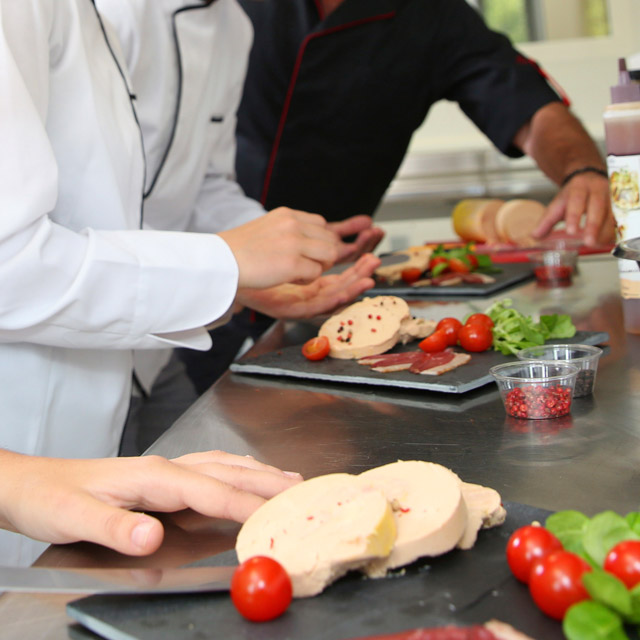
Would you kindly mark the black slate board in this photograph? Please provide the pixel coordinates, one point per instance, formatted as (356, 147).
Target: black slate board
(290, 362)
(461, 587)
(511, 273)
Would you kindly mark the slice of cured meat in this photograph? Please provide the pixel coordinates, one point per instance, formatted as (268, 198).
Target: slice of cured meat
(388, 362)
(477, 632)
(428, 508)
(454, 279)
(492, 630)
(419, 362)
(432, 366)
(320, 529)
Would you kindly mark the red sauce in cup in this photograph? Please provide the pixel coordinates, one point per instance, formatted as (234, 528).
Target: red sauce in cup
(554, 275)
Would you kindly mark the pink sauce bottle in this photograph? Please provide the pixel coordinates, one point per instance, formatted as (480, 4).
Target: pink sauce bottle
(622, 139)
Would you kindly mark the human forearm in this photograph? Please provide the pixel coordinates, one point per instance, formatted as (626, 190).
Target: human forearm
(559, 144)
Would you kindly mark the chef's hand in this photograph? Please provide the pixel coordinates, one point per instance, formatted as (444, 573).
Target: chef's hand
(282, 246)
(367, 237)
(63, 501)
(585, 194)
(323, 295)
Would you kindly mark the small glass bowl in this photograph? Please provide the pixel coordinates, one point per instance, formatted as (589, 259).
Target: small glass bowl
(535, 389)
(583, 356)
(554, 268)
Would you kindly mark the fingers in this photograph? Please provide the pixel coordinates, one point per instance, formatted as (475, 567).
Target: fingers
(351, 226)
(365, 242)
(90, 519)
(302, 216)
(598, 213)
(584, 195)
(223, 457)
(259, 482)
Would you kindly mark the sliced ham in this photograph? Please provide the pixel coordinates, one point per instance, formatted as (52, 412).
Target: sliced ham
(320, 529)
(476, 632)
(428, 507)
(434, 367)
(454, 279)
(418, 362)
(492, 630)
(390, 362)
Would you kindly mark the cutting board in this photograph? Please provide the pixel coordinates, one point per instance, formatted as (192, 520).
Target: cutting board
(461, 587)
(290, 362)
(509, 276)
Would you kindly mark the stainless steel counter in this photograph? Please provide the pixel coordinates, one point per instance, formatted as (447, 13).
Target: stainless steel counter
(588, 461)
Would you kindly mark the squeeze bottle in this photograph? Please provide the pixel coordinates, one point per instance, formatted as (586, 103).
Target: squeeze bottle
(622, 140)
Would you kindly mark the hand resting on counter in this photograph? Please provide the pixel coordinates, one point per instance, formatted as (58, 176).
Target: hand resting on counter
(62, 500)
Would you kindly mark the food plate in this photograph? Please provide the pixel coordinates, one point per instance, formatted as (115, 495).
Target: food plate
(510, 275)
(461, 587)
(290, 362)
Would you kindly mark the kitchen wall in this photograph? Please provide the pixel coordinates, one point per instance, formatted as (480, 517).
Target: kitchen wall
(450, 159)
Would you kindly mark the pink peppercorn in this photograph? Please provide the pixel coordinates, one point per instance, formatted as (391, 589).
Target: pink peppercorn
(538, 402)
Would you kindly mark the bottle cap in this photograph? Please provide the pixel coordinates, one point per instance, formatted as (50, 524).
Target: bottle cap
(626, 90)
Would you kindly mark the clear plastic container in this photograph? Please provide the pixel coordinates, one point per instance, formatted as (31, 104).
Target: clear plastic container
(554, 268)
(583, 356)
(536, 390)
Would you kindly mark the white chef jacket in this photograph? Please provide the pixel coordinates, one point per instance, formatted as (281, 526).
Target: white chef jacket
(80, 285)
(187, 61)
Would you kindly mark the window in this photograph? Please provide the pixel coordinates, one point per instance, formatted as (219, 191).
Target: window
(535, 20)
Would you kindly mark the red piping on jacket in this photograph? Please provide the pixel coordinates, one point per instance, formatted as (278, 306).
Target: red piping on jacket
(520, 59)
(292, 83)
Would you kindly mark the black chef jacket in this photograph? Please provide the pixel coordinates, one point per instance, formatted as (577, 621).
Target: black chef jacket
(330, 105)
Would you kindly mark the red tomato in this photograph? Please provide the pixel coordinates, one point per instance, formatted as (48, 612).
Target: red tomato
(480, 318)
(435, 261)
(437, 341)
(411, 274)
(450, 326)
(316, 348)
(261, 589)
(475, 337)
(528, 545)
(458, 265)
(624, 562)
(556, 582)
(473, 260)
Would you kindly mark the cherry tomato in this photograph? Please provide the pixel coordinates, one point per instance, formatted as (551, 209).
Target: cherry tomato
(480, 318)
(317, 348)
(624, 562)
(436, 260)
(411, 274)
(261, 589)
(473, 260)
(450, 326)
(528, 545)
(457, 265)
(475, 337)
(437, 341)
(556, 582)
